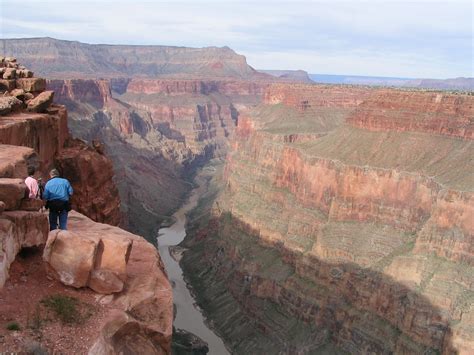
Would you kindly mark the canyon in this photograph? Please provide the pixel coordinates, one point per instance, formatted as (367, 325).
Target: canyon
(339, 219)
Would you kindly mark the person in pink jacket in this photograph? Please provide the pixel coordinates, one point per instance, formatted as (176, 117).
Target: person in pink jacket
(32, 183)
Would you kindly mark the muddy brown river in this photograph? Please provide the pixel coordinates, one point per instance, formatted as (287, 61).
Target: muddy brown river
(188, 315)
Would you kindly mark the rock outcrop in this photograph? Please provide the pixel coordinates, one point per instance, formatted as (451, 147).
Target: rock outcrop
(102, 257)
(43, 127)
(91, 175)
(19, 229)
(86, 258)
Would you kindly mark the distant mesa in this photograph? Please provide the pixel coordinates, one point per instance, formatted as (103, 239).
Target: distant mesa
(462, 84)
(53, 58)
(300, 76)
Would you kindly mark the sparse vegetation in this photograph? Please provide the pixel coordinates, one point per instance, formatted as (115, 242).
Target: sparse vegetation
(13, 326)
(68, 309)
(36, 321)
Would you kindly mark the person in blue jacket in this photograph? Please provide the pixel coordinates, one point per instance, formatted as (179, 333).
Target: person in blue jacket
(57, 193)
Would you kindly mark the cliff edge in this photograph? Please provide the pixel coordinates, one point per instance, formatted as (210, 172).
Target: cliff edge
(114, 282)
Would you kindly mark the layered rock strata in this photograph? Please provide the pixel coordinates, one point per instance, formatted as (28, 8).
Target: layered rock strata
(361, 240)
(69, 59)
(435, 112)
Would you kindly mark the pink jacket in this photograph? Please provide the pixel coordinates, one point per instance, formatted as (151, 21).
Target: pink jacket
(32, 185)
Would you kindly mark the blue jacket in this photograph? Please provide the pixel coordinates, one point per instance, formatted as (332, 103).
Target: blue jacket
(57, 189)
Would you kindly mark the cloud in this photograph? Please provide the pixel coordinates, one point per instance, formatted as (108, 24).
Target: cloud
(402, 38)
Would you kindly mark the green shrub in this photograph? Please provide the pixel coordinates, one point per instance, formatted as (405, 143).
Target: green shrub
(13, 326)
(66, 308)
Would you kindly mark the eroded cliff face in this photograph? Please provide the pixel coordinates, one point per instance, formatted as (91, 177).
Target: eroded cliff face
(360, 238)
(435, 112)
(157, 132)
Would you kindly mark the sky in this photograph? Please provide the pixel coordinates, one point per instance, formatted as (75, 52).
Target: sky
(414, 39)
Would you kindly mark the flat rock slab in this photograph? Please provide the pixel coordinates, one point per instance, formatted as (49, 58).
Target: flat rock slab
(9, 104)
(31, 228)
(12, 191)
(14, 161)
(31, 84)
(41, 102)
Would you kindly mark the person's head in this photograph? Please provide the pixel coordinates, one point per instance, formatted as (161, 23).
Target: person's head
(31, 170)
(54, 173)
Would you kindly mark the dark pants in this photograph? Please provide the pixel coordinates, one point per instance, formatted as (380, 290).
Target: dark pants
(53, 219)
(58, 209)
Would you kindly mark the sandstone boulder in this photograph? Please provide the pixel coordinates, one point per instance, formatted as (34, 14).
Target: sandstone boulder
(31, 228)
(19, 229)
(29, 96)
(41, 102)
(85, 257)
(12, 191)
(124, 335)
(6, 85)
(10, 73)
(110, 270)
(9, 104)
(15, 159)
(31, 204)
(24, 73)
(70, 257)
(31, 84)
(18, 93)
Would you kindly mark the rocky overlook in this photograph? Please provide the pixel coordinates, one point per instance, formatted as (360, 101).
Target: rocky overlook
(82, 264)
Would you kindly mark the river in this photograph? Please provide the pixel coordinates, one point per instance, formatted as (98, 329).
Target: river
(188, 316)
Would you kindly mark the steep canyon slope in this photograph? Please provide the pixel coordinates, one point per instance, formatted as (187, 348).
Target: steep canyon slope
(342, 222)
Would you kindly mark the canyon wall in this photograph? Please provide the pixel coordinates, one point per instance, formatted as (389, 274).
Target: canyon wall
(358, 239)
(435, 112)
